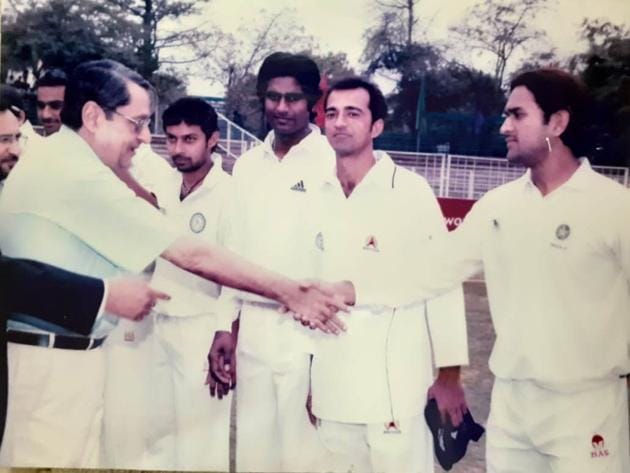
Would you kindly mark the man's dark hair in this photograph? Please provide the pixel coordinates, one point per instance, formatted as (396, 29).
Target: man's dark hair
(52, 78)
(302, 68)
(555, 90)
(104, 82)
(377, 104)
(191, 111)
(10, 99)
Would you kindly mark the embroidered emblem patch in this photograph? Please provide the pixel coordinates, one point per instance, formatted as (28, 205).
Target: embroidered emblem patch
(599, 447)
(563, 231)
(130, 336)
(299, 186)
(371, 244)
(391, 427)
(197, 222)
(319, 241)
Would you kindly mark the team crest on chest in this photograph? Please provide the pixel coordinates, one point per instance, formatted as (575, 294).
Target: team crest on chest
(197, 222)
(371, 243)
(563, 231)
(319, 241)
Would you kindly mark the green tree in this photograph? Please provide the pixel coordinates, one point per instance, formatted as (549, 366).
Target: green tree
(62, 34)
(434, 98)
(391, 48)
(155, 41)
(501, 27)
(59, 33)
(401, 14)
(333, 65)
(605, 68)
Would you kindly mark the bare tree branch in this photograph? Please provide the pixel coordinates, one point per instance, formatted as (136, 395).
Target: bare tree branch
(501, 28)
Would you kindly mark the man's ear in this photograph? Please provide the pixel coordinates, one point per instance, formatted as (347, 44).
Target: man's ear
(213, 140)
(558, 122)
(91, 115)
(22, 117)
(377, 128)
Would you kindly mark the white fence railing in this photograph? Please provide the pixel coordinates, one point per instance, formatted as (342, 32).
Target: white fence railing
(470, 177)
(236, 140)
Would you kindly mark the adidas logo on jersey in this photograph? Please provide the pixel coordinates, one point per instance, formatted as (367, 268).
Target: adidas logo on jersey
(299, 186)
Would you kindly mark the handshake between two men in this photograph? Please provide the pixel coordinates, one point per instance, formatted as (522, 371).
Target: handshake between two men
(316, 305)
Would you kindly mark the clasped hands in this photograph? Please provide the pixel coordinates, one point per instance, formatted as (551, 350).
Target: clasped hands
(315, 304)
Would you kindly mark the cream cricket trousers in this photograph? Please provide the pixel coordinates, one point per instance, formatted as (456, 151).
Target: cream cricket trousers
(273, 431)
(55, 407)
(128, 395)
(189, 429)
(535, 429)
(375, 448)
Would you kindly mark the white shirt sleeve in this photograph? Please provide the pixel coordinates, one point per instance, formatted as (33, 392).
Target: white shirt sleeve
(91, 203)
(446, 318)
(433, 266)
(228, 309)
(229, 303)
(104, 322)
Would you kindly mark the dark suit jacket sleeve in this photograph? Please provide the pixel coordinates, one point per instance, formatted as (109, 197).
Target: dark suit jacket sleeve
(49, 293)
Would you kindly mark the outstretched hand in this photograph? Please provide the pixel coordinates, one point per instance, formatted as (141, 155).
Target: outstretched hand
(316, 306)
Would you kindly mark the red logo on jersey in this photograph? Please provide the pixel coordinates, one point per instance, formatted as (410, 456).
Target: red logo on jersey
(599, 448)
(391, 427)
(371, 244)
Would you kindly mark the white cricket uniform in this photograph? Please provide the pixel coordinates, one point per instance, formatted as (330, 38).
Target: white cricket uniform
(272, 222)
(126, 424)
(557, 268)
(196, 425)
(379, 371)
(32, 137)
(63, 206)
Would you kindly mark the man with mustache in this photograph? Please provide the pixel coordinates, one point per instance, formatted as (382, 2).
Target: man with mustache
(554, 246)
(92, 223)
(12, 138)
(371, 384)
(190, 430)
(50, 90)
(271, 219)
(10, 142)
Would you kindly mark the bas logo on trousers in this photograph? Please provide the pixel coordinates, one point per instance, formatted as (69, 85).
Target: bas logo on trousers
(599, 449)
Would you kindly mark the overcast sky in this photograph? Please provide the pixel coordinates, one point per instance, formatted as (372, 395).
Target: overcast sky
(338, 25)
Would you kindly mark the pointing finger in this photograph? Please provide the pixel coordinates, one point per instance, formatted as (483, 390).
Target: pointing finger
(160, 295)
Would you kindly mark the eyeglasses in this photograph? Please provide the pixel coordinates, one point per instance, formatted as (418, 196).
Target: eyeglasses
(138, 123)
(9, 140)
(290, 97)
(53, 104)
